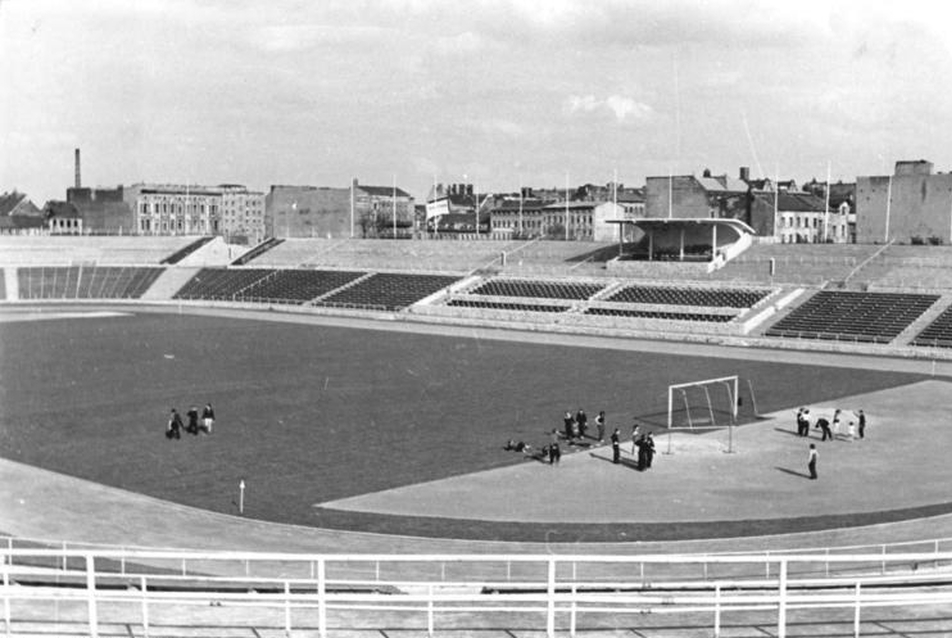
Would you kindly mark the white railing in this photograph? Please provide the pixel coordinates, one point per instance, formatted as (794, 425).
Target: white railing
(454, 592)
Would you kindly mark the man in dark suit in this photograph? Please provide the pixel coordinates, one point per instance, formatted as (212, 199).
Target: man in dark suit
(616, 447)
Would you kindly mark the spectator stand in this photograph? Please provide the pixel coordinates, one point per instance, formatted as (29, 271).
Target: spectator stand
(862, 317)
(937, 332)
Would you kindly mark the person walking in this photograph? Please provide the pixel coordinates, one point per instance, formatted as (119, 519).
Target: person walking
(208, 418)
(616, 446)
(192, 414)
(811, 461)
(174, 428)
(600, 426)
(555, 452)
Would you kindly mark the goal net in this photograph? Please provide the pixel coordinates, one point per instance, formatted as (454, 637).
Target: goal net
(705, 404)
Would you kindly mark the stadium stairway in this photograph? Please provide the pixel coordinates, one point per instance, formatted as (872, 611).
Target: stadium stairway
(349, 284)
(11, 283)
(169, 283)
(913, 329)
(213, 253)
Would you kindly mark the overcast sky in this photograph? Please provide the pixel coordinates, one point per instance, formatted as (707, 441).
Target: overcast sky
(501, 92)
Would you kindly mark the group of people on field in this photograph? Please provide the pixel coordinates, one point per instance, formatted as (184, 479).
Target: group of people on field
(575, 429)
(829, 431)
(175, 426)
(832, 429)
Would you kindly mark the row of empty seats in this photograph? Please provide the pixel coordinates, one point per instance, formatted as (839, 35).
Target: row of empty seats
(859, 316)
(690, 296)
(221, 283)
(85, 282)
(505, 305)
(658, 314)
(381, 291)
(538, 289)
(388, 291)
(938, 333)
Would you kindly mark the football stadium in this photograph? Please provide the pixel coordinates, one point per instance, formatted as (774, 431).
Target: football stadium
(385, 414)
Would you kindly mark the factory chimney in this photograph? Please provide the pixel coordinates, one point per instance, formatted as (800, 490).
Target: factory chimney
(79, 181)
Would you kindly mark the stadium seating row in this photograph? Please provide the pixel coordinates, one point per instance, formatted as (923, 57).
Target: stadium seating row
(390, 291)
(380, 291)
(504, 305)
(538, 289)
(690, 296)
(221, 283)
(658, 314)
(938, 333)
(85, 282)
(185, 251)
(876, 317)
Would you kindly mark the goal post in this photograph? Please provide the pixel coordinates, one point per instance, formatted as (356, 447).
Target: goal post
(704, 404)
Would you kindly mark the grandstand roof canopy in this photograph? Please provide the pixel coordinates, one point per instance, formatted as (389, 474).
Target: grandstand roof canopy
(665, 223)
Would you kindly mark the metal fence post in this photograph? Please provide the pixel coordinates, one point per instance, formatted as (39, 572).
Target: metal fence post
(145, 606)
(91, 596)
(6, 600)
(550, 605)
(717, 611)
(287, 609)
(429, 610)
(573, 611)
(782, 600)
(856, 612)
(321, 599)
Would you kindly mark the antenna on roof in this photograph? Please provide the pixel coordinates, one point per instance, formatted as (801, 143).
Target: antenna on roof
(750, 140)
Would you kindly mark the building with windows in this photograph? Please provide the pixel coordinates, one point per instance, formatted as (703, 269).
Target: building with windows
(575, 220)
(230, 210)
(382, 211)
(174, 209)
(242, 214)
(796, 217)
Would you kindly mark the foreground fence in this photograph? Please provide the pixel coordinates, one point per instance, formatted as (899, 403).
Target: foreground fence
(324, 593)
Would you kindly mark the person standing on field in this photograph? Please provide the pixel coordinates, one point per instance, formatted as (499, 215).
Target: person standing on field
(616, 446)
(811, 461)
(600, 426)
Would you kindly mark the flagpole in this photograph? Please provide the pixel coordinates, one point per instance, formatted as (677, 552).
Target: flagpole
(826, 208)
(566, 206)
(520, 207)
